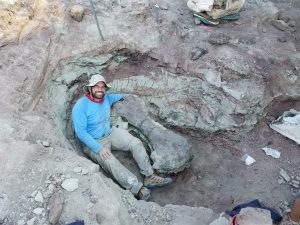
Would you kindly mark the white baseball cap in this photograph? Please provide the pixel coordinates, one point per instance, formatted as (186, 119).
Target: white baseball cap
(94, 80)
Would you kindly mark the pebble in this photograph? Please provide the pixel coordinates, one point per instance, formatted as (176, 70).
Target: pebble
(284, 175)
(295, 182)
(51, 187)
(197, 52)
(282, 39)
(99, 218)
(280, 180)
(219, 38)
(33, 194)
(46, 144)
(21, 222)
(163, 5)
(84, 171)
(77, 169)
(70, 184)
(292, 23)
(287, 210)
(38, 211)
(197, 21)
(31, 221)
(39, 197)
(220, 221)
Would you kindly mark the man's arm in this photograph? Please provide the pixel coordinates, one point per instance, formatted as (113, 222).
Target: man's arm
(113, 98)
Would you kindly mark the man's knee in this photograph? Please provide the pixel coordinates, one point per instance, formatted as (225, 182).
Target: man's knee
(135, 142)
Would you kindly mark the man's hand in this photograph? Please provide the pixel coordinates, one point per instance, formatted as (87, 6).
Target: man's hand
(105, 154)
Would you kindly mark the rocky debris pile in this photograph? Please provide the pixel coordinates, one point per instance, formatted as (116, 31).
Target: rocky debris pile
(293, 181)
(151, 214)
(170, 152)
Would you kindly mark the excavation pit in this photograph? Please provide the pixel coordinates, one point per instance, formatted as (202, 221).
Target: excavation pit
(218, 125)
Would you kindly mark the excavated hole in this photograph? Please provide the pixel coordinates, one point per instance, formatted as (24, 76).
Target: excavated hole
(217, 178)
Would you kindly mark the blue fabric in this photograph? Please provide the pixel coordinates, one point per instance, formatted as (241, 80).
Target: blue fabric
(91, 120)
(80, 222)
(276, 217)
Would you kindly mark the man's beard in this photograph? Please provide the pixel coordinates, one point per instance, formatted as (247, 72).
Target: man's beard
(98, 95)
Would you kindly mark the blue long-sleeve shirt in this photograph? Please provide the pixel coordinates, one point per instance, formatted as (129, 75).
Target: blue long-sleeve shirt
(91, 120)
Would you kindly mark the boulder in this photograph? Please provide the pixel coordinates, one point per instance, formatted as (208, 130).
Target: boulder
(77, 12)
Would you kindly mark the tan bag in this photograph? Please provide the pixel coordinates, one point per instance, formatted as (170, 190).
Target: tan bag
(232, 6)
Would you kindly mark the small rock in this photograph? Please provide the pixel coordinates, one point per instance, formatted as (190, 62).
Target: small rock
(280, 180)
(284, 17)
(47, 182)
(77, 169)
(287, 210)
(197, 52)
(295, 182)
(219, 38)
(70, 184)
(51, 187)
(295, 185)
(285, 203)
(163, 5)
(39, 197)
(21, 222)
(248, 159)
(94, 168)
(197, 21)
(280, 24)
(272, 152)
(292, 23)
(38, 211)
(46, 144)
(282, 39)
(220, 221)
(33, 194)
(84, 171)
(99, 218)
(55, 206)
(77, 12)
(31, 221)
(237, 23)
(284, 175)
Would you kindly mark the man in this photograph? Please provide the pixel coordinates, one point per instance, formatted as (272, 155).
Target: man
(91, 121)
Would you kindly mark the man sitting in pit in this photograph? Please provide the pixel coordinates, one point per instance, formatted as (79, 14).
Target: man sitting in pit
(91, 121)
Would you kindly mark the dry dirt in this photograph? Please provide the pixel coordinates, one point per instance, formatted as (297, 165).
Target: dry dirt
(217, 178)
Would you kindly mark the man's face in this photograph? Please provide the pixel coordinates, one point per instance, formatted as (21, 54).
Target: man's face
(98, 91)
